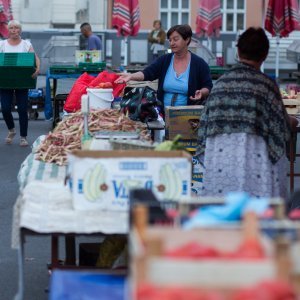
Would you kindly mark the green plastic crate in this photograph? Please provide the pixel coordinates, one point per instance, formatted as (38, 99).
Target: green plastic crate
(16, 70)
(64, 69)
(92, 67)
(217, 71)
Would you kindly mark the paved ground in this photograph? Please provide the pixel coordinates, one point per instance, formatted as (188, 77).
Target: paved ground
(38, 250)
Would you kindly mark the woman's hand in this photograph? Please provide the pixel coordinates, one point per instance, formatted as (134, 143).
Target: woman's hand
(36, 73)
(197, 97)
(200, 94)
(124, 78)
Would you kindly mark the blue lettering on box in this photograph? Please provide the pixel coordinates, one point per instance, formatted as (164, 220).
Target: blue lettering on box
(80, 186)
(137, 166)
(149, 184)
(119, 190)
(184, 187)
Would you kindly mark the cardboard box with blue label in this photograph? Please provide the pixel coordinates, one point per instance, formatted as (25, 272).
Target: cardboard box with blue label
(197, 176)
(102, 179)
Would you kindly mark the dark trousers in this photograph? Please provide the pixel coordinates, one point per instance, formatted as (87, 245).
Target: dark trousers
(22, 103)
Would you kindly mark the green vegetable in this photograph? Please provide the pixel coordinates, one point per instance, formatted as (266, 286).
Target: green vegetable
(170, 145)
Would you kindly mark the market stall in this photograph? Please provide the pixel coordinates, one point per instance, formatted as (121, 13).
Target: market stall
(46, 204)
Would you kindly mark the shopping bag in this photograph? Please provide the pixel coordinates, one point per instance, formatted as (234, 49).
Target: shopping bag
(140, 104)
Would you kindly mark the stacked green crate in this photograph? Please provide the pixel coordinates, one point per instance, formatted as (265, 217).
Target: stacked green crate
(16, 71)
(92, 67)
(64, 69)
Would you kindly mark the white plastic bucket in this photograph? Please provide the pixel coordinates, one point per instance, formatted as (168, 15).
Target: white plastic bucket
(100, 98)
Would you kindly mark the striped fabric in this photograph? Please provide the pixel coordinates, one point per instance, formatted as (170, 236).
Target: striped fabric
(126, 17)
(209, 18)
(32, 169)
(5, 17)
(282, 17)
(245, 100)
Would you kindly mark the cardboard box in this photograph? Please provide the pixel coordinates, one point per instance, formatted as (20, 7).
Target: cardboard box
(183, 120)
(197, 177)
(87, 56)
(102, 179)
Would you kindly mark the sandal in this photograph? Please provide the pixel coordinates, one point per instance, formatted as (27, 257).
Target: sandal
(23, 142)
(10, 136)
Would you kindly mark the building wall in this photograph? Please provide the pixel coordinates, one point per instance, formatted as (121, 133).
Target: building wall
(255, 9)
(149, 12)
(41, 14)
(65, 14)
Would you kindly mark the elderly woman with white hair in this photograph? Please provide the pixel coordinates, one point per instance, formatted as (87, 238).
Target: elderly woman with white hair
(15, 44)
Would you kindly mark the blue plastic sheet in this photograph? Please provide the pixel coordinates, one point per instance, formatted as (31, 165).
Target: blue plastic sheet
(84, 285)
(236, 205)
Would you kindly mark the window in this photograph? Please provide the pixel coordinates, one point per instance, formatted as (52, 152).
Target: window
(233, 15)
(174, 12)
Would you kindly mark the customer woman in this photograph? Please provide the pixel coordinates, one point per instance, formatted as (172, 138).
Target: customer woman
(244, 127)
(183, 77)
(157, 38)
(15, 43)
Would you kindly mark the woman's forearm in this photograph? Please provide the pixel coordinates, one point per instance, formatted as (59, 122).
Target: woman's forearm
(205, 92)
(138, 76)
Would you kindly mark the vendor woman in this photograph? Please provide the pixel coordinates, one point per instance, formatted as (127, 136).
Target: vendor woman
(183, 77)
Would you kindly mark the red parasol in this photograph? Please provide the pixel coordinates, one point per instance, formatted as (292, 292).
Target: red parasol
(282, 18)
(209, 18)
(126, 17)
(5, 16)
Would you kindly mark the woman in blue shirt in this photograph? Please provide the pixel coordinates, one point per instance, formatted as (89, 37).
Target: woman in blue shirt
(183, 77)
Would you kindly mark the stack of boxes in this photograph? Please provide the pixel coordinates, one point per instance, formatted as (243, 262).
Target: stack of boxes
(184, 120)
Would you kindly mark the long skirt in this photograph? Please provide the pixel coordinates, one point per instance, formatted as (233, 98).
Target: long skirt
(240, 162)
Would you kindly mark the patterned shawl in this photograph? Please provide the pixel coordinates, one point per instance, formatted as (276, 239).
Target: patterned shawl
(246, 100)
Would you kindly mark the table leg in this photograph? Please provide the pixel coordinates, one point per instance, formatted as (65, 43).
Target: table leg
(54, 87)
(292, 162)
(20, 294)
(54, 251)
(70, 248)
(54, 106)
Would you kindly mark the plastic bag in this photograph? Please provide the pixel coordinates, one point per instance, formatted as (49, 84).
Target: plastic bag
(73, 101)
(140, 104)
(106, 76)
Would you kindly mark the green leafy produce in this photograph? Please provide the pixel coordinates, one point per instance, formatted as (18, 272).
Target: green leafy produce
(170, 145)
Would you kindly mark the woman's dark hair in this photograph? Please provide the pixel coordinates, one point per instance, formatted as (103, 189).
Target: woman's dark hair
(184, 30)
(253, 44)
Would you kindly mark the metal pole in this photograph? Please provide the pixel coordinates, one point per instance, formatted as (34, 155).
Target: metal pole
(277, 57)
(125, 51)
(262, 68)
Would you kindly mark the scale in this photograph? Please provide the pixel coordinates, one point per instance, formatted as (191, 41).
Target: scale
(107, 135)
(101, 139)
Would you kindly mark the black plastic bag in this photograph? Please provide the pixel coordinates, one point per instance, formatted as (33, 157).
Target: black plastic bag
(140, 104)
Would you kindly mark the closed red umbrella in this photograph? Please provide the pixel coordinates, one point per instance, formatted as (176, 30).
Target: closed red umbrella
(282, 18)
(126, 19)
(209, 18)
(5, 16)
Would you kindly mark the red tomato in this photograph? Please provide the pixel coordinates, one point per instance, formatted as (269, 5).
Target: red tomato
(193, 250)
(107, 85)
(250, 248)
